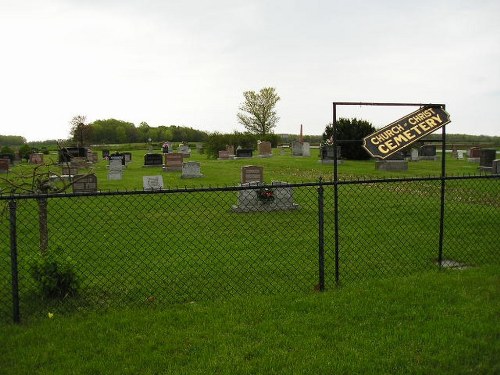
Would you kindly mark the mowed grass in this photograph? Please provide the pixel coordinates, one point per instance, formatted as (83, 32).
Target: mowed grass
(190, 246)
(178, 283)
(432, 323)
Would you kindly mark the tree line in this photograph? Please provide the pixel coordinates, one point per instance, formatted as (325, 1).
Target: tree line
(118, 131)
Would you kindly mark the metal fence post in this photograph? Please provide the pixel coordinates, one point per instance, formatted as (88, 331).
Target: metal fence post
(443, 192)
(13, 260)
(321, 236)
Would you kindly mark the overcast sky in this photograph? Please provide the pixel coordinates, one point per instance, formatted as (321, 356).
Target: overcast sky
(188, 62)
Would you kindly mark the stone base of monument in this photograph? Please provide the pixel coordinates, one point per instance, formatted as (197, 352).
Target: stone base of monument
(473, 160)
(486, 169)
(166, 168)
(281, 193)
(391, 165)
(330, 161)
(265, 156)
(432, 158)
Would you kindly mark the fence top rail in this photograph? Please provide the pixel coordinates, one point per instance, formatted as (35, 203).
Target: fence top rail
(186, 189)
(391, 104)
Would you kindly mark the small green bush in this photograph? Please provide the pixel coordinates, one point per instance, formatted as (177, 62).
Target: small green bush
(55, 275)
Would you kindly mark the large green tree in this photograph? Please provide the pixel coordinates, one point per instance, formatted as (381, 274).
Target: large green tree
(258, 115)
(349, 135)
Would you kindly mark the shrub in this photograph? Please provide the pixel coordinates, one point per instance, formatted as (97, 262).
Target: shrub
(352, 130)
(55, 274)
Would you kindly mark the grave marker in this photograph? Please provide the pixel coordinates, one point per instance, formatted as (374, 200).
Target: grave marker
(191, 169)
(487, 155)
(153, 160)
(36, 158)
(173, 162)
(265, 149)
(152, 183)
(4, 165)
(85, 183)
(224, 155)
(252, 173)
(115, 171)
(244, 153)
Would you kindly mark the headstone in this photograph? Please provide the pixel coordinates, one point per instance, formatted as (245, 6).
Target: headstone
(117, 156)
(454, 152)
(9, 157)
(474, 152)
(127, 156)
(153, 160)
(191, 169)
(395, 162)
(296, 148)
(428, 152)
(414, 154)
(460, 154)
(78, 161)
(265, 150)
(259, 197)
(306, 149)
(495, 166)
(224, 155)
(69, 171)
(487, 155)
(474, 155)
(85, 183)
(68, 153)
(230, 149)
(152, 182)
(92, 156)
(252, 173)
(173, 162)
(115, 171)
(328, 154)
(36, 158)
(282, 150)
(244, 153)
(4, 165)
(184, 150)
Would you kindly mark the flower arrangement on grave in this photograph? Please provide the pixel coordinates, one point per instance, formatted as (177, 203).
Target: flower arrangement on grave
(265, 195)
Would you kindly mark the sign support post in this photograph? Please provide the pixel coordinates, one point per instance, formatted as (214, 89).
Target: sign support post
(391, 139)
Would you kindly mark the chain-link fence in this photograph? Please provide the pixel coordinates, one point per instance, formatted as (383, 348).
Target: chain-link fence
(177, 246)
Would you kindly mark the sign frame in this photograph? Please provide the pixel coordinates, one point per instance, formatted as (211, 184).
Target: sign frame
(407, 130)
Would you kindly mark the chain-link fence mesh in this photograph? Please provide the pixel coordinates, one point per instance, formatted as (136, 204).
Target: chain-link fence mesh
(176, 246)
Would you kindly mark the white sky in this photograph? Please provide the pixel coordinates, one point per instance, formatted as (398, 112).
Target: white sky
(188, 62)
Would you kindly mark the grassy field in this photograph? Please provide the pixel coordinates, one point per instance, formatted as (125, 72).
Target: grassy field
(179, 283)
(278, 168)
(181, 247)
(431, 323)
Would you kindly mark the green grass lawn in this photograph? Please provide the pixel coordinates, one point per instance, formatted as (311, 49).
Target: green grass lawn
(431, 323)
(278, 168)
(182, 247)
(179, 283)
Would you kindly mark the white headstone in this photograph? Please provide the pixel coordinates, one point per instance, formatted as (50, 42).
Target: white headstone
(306, 149)
(191, 169)
(152, 182)
(115, 171)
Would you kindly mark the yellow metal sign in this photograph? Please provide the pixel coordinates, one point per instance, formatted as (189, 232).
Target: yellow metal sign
(405, 131)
